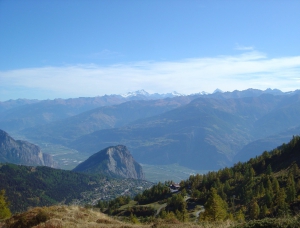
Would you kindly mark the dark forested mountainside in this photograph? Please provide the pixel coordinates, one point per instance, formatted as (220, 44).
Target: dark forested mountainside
(205, 133)
(27, 186)
(115, 161)
(22, 152)
(266, 186)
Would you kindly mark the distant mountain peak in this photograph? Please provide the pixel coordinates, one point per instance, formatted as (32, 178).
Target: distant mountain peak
(218, 91)
(200, 93)
(144, 93)
(136, 93)
(114, 160)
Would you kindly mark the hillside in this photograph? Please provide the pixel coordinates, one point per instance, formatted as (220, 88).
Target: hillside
(114, 161)
(263, 192)
(22, 152)
(27, 186)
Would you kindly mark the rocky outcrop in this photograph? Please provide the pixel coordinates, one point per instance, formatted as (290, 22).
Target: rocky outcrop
(115, 160)
(22, 152)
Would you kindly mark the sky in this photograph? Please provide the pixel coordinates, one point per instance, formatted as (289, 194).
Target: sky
(73, 48)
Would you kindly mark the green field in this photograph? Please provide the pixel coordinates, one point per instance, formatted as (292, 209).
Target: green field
(65, 157)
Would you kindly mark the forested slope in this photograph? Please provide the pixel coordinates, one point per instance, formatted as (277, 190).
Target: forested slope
(27, 186)
(267, 186)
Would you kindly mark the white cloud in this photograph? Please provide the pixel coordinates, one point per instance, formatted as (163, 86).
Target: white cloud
(248, 70)
(244, 48)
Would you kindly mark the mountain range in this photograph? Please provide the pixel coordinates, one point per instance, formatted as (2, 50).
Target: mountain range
(202, 131)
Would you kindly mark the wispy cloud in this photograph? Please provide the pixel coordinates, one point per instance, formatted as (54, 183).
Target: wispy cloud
(248, 70)
(244, 48)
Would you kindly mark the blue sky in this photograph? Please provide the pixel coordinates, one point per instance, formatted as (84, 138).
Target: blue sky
(61, 49)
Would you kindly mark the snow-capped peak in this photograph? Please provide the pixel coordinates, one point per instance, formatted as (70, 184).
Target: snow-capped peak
(136, 93)
(151, 96)
(176, 94)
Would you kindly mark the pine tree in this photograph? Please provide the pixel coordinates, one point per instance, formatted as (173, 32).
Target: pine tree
(215, 207)
(240, 217)
(281, 205)
(291, 188)
(4, 209)
(269, 170)
(254, 210)
(262, 189)
(275, 185)
(295, 169)
(264, 211)
(269, 199)
(269, 187)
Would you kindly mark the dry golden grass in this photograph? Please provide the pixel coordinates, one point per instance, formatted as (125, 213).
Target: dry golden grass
(78, 217)
(63, 217)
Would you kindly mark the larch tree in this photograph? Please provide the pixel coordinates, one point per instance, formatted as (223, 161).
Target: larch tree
(215, 207)
(4, 209)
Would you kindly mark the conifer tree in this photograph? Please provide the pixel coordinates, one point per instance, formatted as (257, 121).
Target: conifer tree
(275, 185)
(215, 207)
(240, 217)
(269, 199)
(262, 189)
(269, 187)
(264, 211)
(295, 169)
(281, 205)
(4, 209)
(291, 188)
(269, 170)
(254, 210)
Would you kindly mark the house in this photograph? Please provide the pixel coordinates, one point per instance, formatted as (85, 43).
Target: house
(174, 187)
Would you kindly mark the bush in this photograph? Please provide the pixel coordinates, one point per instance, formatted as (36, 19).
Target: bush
(271, 223)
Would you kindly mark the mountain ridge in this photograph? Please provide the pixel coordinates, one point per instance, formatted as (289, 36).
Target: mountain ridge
(22, 152)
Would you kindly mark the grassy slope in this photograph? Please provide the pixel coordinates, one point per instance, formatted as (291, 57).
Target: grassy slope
(77, 217)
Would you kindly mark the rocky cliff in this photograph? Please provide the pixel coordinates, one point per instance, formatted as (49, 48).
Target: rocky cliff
(22, 152)
(115, 160)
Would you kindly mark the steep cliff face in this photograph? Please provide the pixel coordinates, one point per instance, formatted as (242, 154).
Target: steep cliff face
(22, 152)
(115, 160)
